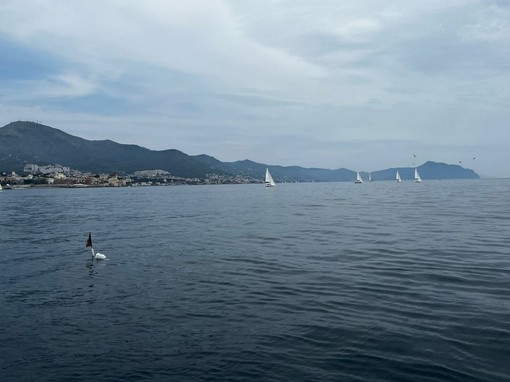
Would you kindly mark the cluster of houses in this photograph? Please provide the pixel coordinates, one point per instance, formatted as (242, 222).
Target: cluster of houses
(61, 176)
(58, 176)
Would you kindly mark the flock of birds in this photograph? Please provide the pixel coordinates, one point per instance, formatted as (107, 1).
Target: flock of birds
(460, 162)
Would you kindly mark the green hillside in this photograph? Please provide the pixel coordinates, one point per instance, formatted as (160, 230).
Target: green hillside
(28, 142)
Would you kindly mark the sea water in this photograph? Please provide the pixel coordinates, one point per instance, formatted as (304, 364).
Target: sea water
(301, 282)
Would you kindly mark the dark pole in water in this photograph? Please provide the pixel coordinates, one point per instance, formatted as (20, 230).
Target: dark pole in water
(89, 244)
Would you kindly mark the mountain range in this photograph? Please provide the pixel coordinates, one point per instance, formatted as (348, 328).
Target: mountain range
(29, 142)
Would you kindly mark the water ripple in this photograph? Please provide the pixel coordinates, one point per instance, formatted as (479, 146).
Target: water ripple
(309, 282)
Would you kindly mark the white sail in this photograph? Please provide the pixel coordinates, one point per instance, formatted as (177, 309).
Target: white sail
(359, 179)
(369, 176)
(269, 182)
(417, 177)
(397, 178)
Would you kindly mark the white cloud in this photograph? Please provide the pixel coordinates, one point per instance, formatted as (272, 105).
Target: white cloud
(194, 37)
(428, 72)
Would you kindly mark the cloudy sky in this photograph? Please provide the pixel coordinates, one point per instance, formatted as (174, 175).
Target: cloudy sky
(361, 84)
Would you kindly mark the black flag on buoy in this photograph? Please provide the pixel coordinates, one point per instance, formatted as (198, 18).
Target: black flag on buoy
(89, 241)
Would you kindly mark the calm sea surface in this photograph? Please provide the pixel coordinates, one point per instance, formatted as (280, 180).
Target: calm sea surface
(303, 282)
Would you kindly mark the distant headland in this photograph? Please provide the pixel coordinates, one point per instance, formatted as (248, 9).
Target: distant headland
(32, 150)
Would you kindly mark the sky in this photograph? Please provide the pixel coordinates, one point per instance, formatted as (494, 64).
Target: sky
(358, 84)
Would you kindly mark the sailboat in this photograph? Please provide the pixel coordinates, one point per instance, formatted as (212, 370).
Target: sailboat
(359, 179)
(0, 187)
(417, 177)
(397, 177)
(269, 182)
(369, 176)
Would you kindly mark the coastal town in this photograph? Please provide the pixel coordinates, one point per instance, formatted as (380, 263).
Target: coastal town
(56, 175)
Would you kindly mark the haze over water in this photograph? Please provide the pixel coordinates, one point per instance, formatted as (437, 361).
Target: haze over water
(303, 282)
